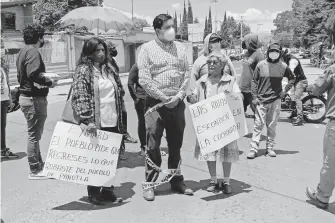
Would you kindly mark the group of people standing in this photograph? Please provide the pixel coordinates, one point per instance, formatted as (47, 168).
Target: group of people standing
(160, 81)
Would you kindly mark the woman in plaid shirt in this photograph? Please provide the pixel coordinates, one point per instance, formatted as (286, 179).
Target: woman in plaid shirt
(96, 98)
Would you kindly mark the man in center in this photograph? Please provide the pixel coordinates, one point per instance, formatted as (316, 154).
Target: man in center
(164, 75)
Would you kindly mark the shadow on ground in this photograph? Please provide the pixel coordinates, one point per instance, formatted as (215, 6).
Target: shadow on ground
(261, 152)
(133, 160)
(20, 154)
(330, 209)
(263, 137)
(237, 188)
(125, 191)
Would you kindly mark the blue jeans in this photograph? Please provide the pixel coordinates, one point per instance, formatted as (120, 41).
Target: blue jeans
(35, 112)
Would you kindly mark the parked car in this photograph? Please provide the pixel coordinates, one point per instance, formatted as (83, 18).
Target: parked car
(306, 54)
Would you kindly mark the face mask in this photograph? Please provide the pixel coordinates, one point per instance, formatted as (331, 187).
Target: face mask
(274, 55)
(169, 34)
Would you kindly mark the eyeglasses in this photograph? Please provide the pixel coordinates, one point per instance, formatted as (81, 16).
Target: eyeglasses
(214, 62)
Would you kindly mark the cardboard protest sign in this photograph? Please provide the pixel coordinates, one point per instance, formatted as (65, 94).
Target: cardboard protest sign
(218, 121)
(76, 156)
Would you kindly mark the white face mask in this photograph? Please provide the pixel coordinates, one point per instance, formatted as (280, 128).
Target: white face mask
(169, 34)
(274, 55)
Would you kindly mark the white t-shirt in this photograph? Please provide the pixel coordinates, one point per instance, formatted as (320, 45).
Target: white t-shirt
(4, 86)
(108, 112)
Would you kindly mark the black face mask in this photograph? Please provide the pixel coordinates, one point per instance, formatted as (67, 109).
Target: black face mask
(113, 52)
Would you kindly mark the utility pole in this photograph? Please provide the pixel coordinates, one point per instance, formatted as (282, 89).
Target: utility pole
(241, 33)
(132, 10)
(216, 13)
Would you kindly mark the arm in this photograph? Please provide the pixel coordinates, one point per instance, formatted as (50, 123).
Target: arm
(145, 78)
(81, 95)
(230, 67)
(291, 79)
(322, 84)
(254, 82)
(182, 92)
(33, 63)
(132, 79)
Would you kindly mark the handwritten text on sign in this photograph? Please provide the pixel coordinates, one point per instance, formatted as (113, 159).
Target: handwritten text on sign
(218, 121)
(78, 157)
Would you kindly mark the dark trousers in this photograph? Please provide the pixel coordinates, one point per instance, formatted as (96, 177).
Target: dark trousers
(173, 121)
(140, 110)
(96, 191)
(4, 107)
(247, 100)
(35, 112)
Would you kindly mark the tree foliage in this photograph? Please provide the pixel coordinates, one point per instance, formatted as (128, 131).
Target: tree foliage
(48, 12)
(196, 20)
(231, 31)
(309, 22)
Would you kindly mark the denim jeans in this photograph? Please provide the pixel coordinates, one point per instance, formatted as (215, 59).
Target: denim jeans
(4, 107)
(327, 174)
(299, 89)
(266, 114)
(35, 112)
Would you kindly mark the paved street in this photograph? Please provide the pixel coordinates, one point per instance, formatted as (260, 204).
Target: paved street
(264, 190)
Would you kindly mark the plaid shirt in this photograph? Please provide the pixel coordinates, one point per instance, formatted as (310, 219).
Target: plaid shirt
(163, 70)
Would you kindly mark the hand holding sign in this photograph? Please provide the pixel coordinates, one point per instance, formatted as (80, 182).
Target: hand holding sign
(218, 121)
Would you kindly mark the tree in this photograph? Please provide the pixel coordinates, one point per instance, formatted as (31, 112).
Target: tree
(190, 13)
(228, 32)
(196, 20)
(206, 28)
(184, 26)
(209, 22)
(175, 22)
(48, 12)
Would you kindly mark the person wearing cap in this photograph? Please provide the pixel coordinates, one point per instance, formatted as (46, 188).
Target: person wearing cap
(267, 91)
(250, 60)
(212, 43)
(326, 83)
(299, 86)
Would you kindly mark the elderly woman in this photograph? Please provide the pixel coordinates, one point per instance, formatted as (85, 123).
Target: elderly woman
(217, 80)
(96, 98)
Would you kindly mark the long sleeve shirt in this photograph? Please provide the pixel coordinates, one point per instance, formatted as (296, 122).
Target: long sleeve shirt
(266, 85)
(326, 83)
(30, 69)
(163, 70)
(135, 89)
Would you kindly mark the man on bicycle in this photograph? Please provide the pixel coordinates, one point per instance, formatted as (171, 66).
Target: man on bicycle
(299, 86)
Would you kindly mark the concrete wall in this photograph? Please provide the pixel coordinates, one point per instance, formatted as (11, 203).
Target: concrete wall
(19, 16)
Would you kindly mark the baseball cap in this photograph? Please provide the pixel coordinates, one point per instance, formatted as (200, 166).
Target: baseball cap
(215, 38)
(275, 47)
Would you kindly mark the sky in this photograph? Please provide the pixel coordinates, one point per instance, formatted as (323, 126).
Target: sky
(254, 12)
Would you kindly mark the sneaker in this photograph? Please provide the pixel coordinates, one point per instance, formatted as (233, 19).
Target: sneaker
(149, 194)
(311, 194)
(6, 153)
(38, 176)
(225, 186)
(163, 153)
(213, 186)
(271, 153)
(298, 122)
(252, 154)
(129, 139)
